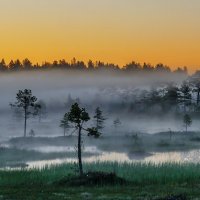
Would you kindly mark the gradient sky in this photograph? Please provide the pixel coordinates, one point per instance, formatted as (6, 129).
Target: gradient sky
(115, 31)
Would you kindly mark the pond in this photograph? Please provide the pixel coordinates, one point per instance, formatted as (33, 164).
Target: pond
(192, 156)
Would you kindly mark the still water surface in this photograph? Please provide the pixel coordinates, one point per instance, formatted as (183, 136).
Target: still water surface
(192, 156)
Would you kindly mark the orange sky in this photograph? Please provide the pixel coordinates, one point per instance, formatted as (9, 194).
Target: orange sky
(117, 31)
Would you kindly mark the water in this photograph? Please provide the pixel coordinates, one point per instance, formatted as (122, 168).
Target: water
(57, 149)
(156, 158)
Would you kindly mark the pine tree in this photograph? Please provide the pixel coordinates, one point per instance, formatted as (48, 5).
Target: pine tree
(27, 103)
(64, 123)
(78, 117)
(99, 119)
(187, 121)
(117, 123)
(186, 96)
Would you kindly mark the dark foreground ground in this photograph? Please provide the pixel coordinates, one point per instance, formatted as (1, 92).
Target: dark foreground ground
(86, 193)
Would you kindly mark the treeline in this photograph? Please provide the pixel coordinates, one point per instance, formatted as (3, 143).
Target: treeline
(26, 64)
(171, 98)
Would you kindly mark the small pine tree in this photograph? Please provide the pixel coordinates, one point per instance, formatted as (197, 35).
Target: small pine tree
(99, 119)
(42, 113)
(64, 123)
(187, 121)
(78, 117)
(117, 123)
(32, 133)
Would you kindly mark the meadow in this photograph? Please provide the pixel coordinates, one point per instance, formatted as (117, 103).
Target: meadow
(144, 181)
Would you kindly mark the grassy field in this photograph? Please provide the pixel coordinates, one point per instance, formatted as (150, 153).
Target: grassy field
(145, 181)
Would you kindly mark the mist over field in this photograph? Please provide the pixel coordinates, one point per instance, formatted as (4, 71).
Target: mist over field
(100, 100)
(143, 115)
(58, 89)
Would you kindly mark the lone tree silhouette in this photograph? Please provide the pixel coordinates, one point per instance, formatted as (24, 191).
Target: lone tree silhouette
(32, 133)
(99, 119)
(28, 104)
(42, 112)
(187, 121)
(78, 117)
(117, 123)
(64, 123)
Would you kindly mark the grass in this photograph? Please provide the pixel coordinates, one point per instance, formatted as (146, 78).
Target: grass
(137, 173)
(147, 181)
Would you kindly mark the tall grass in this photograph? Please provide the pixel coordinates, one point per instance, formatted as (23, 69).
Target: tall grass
(137, 173)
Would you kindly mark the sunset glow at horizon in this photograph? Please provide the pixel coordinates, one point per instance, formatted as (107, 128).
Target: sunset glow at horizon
(114, 31)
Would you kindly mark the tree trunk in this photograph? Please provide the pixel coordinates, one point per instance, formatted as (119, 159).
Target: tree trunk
(64, 131)
(184, 105)
(40, 118)
(25, 121)
(79, 153)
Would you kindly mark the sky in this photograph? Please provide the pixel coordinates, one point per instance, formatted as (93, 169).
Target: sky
(116, 31)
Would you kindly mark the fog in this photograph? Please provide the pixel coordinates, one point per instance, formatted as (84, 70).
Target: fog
(104, 89)
(127, 97)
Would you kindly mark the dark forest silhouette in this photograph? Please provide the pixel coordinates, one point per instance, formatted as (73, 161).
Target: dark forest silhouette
(26, 64)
